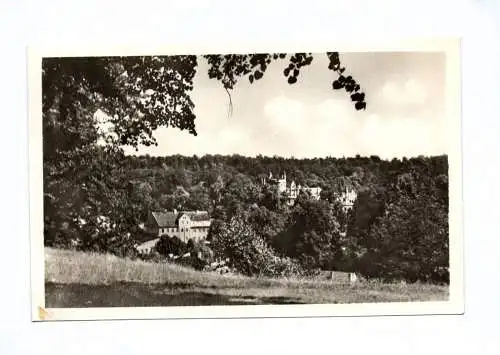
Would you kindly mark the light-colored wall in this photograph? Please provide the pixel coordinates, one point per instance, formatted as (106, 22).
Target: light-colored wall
(148, 246)
(185, 233)
(201, 223)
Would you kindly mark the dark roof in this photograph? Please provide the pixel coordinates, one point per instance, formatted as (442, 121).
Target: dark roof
(197, 215)
(164, 219)
(143, 236)
(169, 219)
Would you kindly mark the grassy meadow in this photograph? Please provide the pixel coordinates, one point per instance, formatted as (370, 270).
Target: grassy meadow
(78, 279)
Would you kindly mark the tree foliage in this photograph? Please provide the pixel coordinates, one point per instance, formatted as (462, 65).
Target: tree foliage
(171, 245)
(230, 68)
(248, 252)
(314, 231)
(401, 232)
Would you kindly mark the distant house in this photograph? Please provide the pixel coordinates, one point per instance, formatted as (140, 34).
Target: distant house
(184, 225)
(147, 247)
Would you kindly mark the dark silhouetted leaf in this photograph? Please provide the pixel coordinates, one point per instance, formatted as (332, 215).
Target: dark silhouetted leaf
(337, 85)
(349, 87)
(360, 105)
(356, 97)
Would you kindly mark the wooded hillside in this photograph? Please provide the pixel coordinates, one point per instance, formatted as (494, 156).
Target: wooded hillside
(398, 227)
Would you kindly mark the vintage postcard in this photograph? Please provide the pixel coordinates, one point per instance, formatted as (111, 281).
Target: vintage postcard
(246, 181)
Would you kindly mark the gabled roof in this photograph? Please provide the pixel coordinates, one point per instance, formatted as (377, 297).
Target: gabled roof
(164, 219)
(170, 219)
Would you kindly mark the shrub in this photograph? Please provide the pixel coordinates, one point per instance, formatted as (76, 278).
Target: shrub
(152, 257)
(202, 249)
(192, 261)
(283, 266)
(248, 252)
(171, 245)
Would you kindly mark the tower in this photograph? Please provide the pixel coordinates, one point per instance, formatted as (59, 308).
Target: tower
(282, 184)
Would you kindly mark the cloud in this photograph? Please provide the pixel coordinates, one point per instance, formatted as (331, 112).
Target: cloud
(404, 116)
(401, 93)
(401, 136)
(285, 114)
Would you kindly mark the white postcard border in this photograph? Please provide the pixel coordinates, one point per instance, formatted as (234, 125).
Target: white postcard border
(455, 304)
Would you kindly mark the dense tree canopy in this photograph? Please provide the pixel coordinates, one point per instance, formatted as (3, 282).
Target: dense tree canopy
(392, 198)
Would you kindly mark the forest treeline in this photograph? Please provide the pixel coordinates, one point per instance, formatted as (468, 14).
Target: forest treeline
(397, 229)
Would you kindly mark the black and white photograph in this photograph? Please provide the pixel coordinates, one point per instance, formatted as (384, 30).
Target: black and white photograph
(287, 183)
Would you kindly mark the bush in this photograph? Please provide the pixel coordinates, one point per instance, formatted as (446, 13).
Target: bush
(154, 257)
(171, 245)
(248, 252)
(192, 261)
(202, 249)
(283, 266)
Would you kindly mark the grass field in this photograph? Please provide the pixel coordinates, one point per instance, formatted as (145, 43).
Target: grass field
(77, 279)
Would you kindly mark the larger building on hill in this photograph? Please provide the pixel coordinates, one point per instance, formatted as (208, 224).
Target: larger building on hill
(291, 192)
(347, 198)
(184, 225)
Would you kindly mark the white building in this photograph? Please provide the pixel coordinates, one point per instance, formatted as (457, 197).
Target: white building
(292, 192)
(184, 225)
(346, 197)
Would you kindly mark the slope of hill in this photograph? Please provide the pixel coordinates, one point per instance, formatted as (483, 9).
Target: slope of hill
(77, 279)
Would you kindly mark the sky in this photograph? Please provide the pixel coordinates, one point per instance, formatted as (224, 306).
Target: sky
(405, 115)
